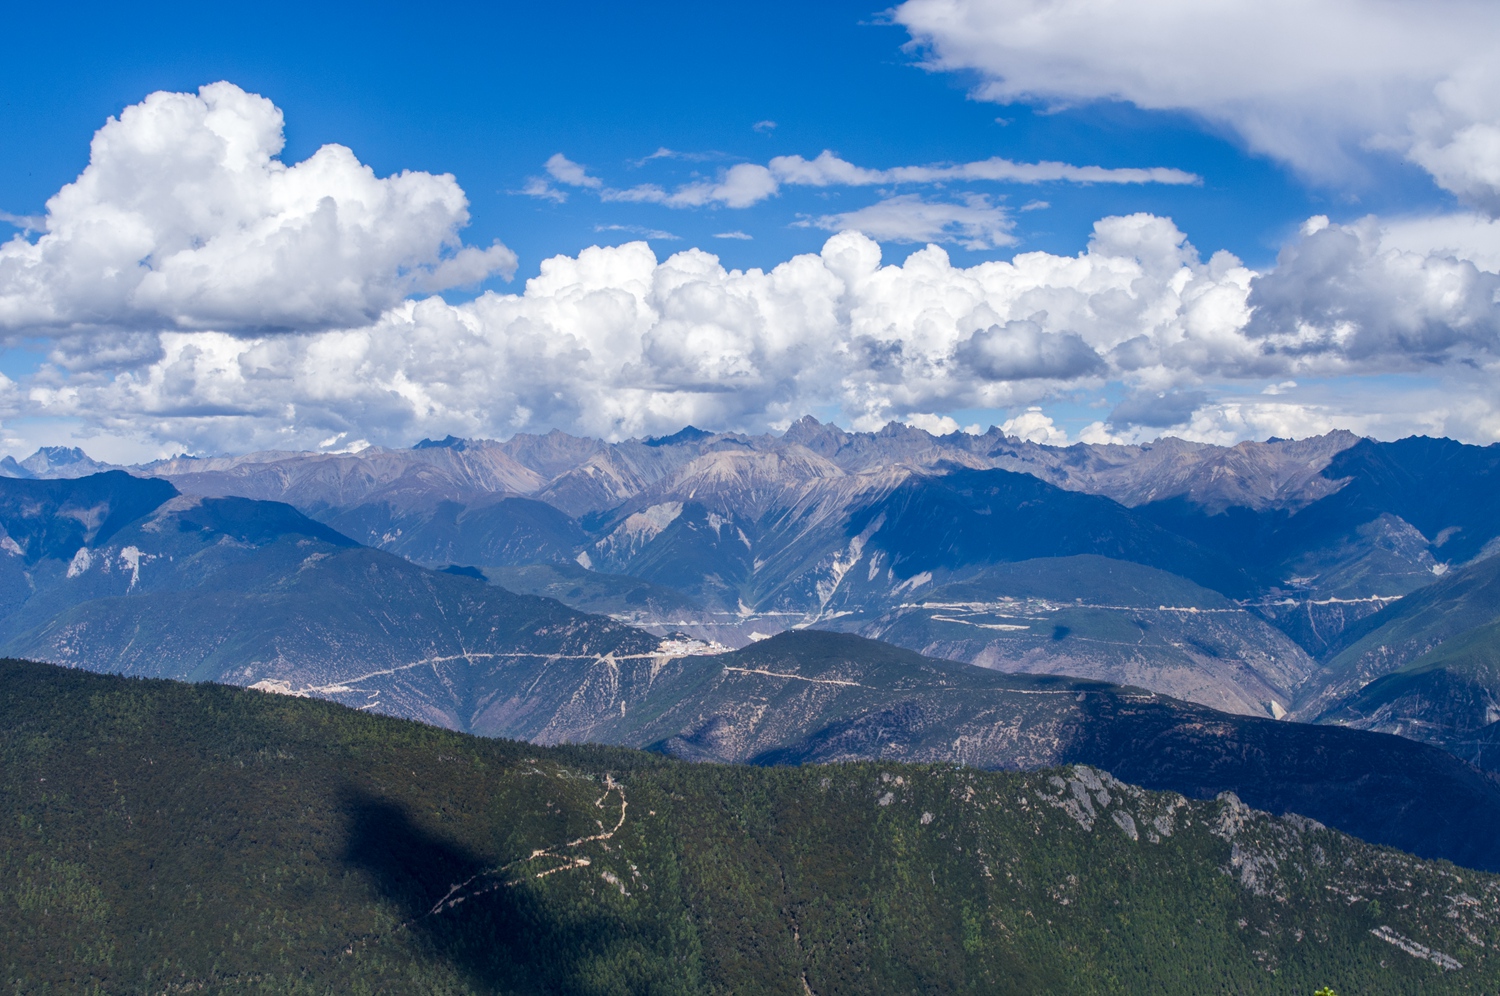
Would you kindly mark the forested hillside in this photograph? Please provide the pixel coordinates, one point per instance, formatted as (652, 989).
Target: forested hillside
(164, 837)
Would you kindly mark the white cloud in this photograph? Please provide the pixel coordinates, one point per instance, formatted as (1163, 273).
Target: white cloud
(1229, 422)
(975, 223)
(939, 425)
(616, 342)
(829, 170)
(564, 170)
(184, 218)
(1098, 434)
(1035, 427)
(1462, 235)
(747, 184)
(537, 187)
(641, 230)
(1311, 82)
(25, 222)
(741, 186)
(741, 236)
(1338, 291)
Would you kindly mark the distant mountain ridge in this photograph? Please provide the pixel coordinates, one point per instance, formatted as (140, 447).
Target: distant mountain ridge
(727, 536)
(1279, 473)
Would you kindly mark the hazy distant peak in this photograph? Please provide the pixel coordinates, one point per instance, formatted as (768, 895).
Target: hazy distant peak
(446, 443)
(9, 468)
(816, 436)
(62, 461)
(687, 434)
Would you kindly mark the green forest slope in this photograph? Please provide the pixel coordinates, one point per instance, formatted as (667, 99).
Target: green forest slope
(161, 837)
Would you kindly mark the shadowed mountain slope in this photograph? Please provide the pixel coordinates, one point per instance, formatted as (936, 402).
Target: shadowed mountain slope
(971, 517)
(116, 573)
(1449, 696)
(1427, 667)
(1463, 602)
(509, 531)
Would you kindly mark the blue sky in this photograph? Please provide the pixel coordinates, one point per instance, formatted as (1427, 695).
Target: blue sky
(489, 93)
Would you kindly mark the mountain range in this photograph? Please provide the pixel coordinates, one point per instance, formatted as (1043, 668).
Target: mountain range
(454, 612)
(1227, 576)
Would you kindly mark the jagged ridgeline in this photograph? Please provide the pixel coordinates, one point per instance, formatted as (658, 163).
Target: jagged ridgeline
(164, 837)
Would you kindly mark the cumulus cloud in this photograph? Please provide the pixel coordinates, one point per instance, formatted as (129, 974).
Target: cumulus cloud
(1313, 83)
(976, 222)
(939, 425)
(248, 303)
(1338, 291)
(619, 342)
(1034, 426)
(1021, 350)
(1157, 411)
(184, 218)
(1462, 235)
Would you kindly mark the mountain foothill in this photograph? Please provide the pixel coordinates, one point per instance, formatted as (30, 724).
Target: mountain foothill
(1306, 627)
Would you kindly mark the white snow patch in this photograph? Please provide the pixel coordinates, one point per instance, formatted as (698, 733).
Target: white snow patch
(131, 558)
(913, 583)
(82, 561)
